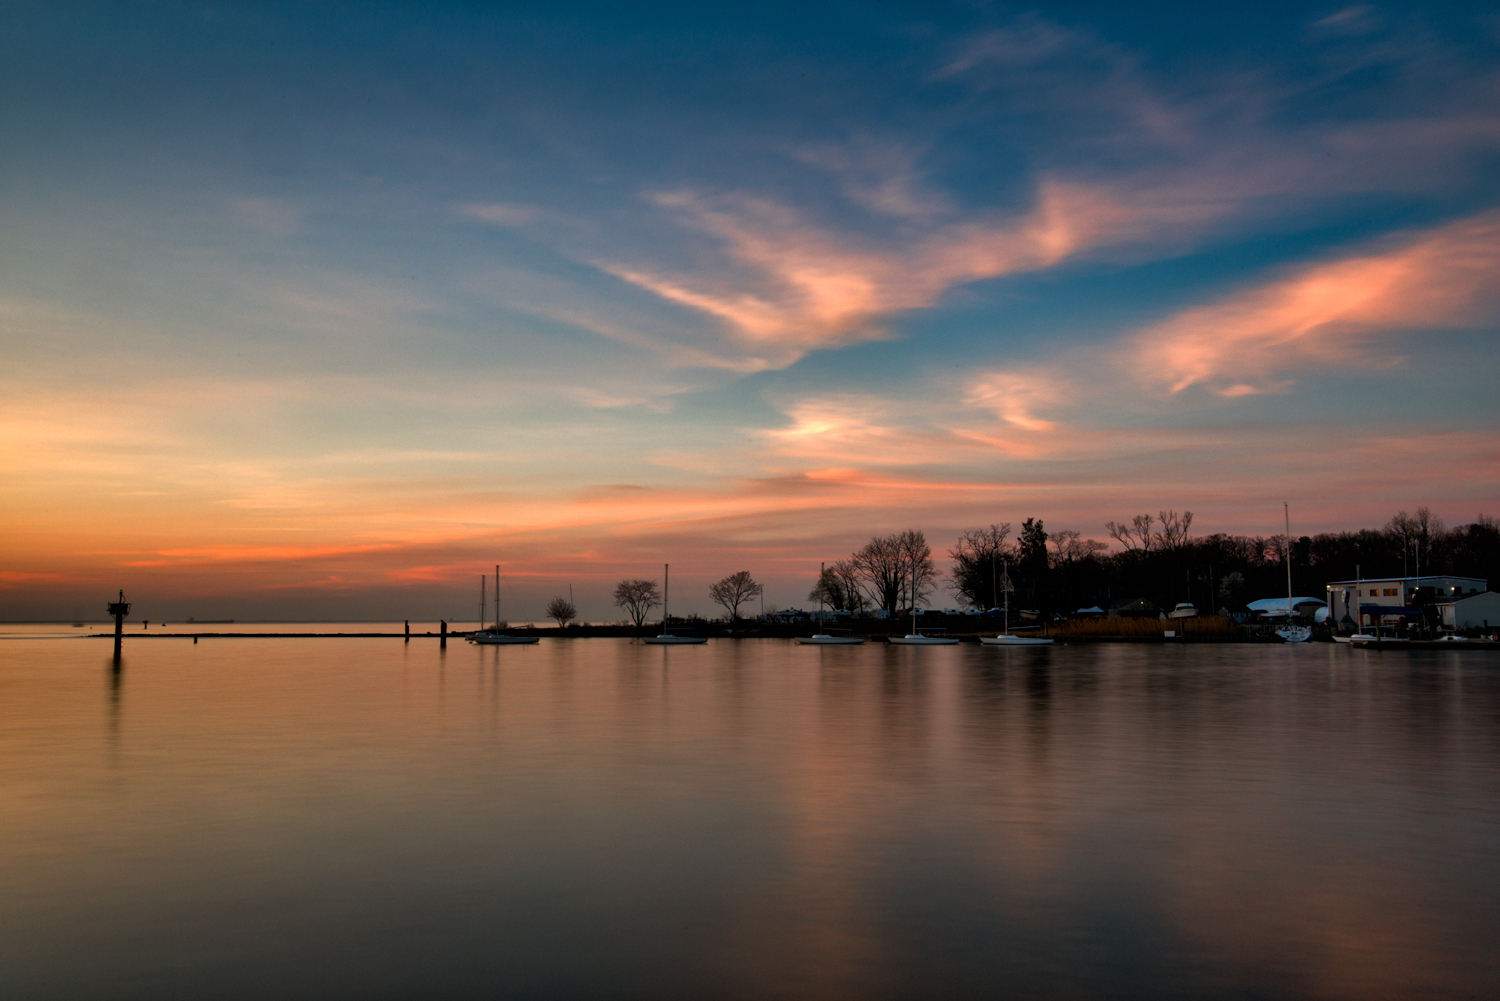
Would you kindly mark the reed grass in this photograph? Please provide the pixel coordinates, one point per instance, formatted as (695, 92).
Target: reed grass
(1206, 626)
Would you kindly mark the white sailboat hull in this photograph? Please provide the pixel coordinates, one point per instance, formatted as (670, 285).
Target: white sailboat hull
(500, 639)
(823, 639)
(665, 640)
(1008, 640)
(913, 639)
(1295, 634)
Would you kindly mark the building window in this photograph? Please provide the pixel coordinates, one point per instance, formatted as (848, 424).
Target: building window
(1391, 592)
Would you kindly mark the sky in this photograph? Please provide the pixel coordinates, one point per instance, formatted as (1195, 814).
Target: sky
(321, 311)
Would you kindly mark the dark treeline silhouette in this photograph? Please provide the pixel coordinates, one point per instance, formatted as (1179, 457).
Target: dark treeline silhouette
(1162, 563)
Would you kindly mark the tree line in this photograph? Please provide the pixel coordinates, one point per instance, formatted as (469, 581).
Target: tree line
(1157, 560)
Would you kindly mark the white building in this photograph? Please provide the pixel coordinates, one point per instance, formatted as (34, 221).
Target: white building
(1474, 611)
(1392, 598)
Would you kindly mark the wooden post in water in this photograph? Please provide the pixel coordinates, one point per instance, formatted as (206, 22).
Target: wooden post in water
(443, 640)
(119, 609)
(408, 631)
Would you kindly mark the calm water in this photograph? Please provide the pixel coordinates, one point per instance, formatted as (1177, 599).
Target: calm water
(596, 818)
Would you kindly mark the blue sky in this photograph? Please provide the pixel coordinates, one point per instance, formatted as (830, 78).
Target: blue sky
(343, 303)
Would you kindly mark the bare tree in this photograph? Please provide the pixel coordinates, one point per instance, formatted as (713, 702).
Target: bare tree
(1069, 547)
(1416, 533)
(881, 571)
(1174, 530)
(1136, 535)
(976, 559)
(921, 572)
(562, 610)
(733, 591)
(839, 588)
(637, 597)
(894, 567)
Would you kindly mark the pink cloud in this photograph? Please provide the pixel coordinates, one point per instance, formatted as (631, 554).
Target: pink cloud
(1016, 396)
(1340, 313)
(801, 288)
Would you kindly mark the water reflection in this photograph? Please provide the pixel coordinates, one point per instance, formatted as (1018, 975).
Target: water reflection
(748, 819)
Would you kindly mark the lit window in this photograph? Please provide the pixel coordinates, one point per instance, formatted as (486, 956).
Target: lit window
(1391, 592)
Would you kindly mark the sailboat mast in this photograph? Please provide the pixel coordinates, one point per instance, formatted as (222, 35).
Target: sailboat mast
(1007, 598)
(484, 603)
(1287, 554)
(497, 597)
(666, 593)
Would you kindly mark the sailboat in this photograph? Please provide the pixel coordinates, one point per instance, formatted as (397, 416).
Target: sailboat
(494, 637)
(1007, 638)
(915, 638)
(666, 638)
(1289, 632)
(824, 639)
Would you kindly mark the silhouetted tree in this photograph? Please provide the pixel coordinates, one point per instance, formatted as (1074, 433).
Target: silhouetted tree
(637, 597)
(562, 610)
(733, 591)
(1136, 535)
(976, 564)
(838, 587)
(895, 567)
(1173, 532)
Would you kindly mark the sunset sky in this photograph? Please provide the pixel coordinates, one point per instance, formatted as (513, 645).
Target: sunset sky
(321, 311)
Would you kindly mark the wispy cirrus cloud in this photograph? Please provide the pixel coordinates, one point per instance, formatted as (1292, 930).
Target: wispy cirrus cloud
(796, 287)
(1344, 312)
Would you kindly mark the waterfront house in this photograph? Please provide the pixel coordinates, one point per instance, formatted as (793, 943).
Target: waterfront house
(1391, 599)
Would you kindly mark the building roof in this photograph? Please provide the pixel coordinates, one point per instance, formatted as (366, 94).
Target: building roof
(1279, 604)
(1460, 599)
(1407, 580)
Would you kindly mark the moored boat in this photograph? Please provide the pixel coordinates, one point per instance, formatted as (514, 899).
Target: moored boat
(917, 639)
(1289, 632)
(1009, 638)
(496, 635)
(825, 639)
(665, 638)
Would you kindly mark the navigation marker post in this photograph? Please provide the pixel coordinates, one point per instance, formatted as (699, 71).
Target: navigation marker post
(119, 609)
